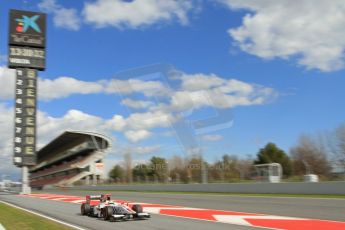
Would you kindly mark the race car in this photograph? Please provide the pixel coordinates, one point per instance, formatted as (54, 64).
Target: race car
(110, 210)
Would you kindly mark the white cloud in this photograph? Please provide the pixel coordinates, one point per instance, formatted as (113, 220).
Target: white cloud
(200, 81)
(308, 31)
(136, 104)
(136, 13)
(50, 127)
(6, 140)
(7, 79)
(66, 86)
(201, 90)
(196, 91)
(142, 150)
(148, 88)
(63, 17)
(212, 138)
(149, 120)
(141, 121)
(136, 127)
(190, 92)
(6, 124)
(48, 5)
(117, 123)
(60, 87)
(67, 18)
(137, 135)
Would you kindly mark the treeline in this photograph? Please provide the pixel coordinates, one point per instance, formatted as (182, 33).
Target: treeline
(323, 155)
(184, 170)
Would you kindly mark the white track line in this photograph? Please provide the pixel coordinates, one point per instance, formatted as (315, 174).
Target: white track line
(2, 227)
(44, 216)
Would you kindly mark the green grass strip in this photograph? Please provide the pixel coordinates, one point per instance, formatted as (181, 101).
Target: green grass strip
(14, 219)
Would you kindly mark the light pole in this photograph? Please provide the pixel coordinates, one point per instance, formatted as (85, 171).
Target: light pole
(203, 166)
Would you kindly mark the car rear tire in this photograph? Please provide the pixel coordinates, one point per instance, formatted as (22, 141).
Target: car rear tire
(137, 208)
(87, 209)
(82, 210)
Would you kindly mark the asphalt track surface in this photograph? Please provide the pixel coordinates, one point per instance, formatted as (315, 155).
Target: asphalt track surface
(329, 209)
(314, 208)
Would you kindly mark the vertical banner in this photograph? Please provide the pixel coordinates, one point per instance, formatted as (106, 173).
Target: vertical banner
(25, 117)
(27, 54)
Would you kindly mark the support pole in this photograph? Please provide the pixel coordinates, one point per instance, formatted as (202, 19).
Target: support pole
(204, 179)
(26, 189)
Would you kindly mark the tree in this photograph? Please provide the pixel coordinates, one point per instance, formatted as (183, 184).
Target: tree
(272, 154)
(141, 172)
(310, 156)
(158, 168)
(178, 170)
(194, 169)
(225, 169)
(216, 171)
(116, 173)
(179, 174)
(245, 168)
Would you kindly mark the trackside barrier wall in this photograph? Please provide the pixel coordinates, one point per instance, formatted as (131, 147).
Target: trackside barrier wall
(332, 188)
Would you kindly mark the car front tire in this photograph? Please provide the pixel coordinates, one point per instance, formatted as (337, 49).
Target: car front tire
(108, 212)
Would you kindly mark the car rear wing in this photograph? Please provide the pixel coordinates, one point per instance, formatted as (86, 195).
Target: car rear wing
(96, 197)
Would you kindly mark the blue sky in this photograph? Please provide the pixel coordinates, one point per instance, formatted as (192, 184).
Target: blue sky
(272, 71)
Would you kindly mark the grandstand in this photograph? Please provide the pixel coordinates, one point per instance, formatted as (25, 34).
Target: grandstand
(72, 157)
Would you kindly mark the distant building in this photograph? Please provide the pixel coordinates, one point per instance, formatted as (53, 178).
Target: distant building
(6, 184)
(72, 157)
(2, 185)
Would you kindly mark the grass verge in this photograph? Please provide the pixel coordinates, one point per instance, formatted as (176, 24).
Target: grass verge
(13, 219)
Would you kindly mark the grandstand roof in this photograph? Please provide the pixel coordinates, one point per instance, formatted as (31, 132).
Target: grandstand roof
(68, 137)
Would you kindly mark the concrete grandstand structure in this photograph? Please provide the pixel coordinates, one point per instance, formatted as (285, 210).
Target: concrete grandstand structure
(71, 157)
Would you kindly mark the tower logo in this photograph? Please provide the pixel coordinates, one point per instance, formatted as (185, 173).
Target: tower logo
(26, 22)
